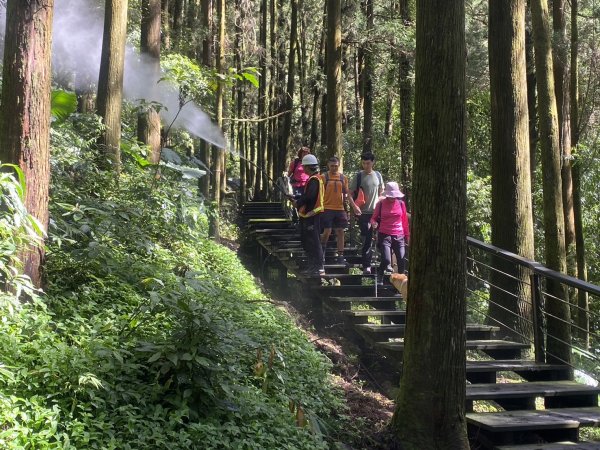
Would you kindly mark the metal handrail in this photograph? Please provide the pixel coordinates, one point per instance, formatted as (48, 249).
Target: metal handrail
(538, 272)
(535, 267)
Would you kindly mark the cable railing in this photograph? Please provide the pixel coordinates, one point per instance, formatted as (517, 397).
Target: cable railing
(556, 314)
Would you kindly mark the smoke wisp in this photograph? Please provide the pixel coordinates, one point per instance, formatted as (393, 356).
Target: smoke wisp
(76, 49)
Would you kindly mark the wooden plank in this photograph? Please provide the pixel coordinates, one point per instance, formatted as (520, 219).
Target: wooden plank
(484, 344)
(553, 446)
(372, 312)
(510, 365)
(543, 419)
(384, 328)
(491, 391)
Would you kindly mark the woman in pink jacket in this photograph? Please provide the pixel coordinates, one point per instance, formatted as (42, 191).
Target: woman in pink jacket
(298, 177)
(391, 221)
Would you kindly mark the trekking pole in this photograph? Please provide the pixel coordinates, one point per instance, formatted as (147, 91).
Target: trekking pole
(373, 256)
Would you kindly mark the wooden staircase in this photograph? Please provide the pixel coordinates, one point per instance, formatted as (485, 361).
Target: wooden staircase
(540, 409)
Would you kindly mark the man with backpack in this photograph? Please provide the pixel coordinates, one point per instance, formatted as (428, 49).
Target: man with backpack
(366, 187)
(334, 216)
(310, 209)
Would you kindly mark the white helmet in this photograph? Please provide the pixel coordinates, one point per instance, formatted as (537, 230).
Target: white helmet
(310, 160)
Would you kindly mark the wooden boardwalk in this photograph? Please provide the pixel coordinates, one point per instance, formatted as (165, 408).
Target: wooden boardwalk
(376, 315)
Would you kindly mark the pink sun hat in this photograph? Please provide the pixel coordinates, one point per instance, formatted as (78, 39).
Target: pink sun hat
(392, 190)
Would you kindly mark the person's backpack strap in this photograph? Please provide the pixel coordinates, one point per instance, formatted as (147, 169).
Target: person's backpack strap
(342, 180)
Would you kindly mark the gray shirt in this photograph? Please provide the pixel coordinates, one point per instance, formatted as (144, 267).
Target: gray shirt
(371, 184)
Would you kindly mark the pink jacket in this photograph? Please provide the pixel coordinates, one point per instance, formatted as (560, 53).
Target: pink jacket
(392, 218)
(297, 175)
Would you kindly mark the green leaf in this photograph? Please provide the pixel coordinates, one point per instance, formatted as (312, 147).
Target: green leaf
(63, 104)
(251, 78)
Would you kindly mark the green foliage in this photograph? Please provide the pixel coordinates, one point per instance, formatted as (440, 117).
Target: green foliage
(19, 231)
(149, 335)
(62, 105)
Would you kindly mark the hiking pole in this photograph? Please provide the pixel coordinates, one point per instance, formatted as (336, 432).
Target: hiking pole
(373, 255)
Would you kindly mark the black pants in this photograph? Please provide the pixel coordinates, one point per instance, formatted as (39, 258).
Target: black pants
(386, 244)
(310, 234)
(366, 231)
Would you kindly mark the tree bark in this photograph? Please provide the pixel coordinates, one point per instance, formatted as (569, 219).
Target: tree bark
(206, 23)
(216, 153)
(25, 113)
(561, 83)
(149, 120)
(407, 11)
(110, 81)
(291, 83)
(334, 80)
(166, 26)
(531, 103)
(368, 82)
(557, 308)
(262, 98)
(583, 319)
(512, 219)
(430, 411)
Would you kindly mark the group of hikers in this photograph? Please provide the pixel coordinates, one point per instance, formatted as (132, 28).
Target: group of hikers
(323, 199)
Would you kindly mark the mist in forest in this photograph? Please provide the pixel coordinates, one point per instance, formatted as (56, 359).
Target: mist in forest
(76, 48)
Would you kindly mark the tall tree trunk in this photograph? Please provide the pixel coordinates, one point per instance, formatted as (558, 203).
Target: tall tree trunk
(434, 350)
(368, 81)
(531, 102)
(561, 83)
(558, 320)
(25, 113)
(238, 95)
(216, 153)
(149, 120)
(358, 87)
(262, 98)
(205, 154)
(407, 11)
(318, 104)
(110, 81)
(583, 319)
(334, 79)
(166, 25)
(291, 83)
(177, 17)
(512, 219)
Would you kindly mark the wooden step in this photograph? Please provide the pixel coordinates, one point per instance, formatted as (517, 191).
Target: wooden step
(564, 445)
(513, 396)
(486, 371)
(494, 348)
(504, 427)
(338, 304)
(358, 316)
(538, 419)
(355, 291)
(379, 332)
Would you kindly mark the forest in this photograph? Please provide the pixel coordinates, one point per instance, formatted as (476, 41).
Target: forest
(133, 132)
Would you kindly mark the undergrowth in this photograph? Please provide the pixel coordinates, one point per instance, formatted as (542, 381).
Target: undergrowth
(149, 335)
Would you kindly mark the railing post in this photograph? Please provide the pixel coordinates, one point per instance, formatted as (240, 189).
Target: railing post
(538, 318)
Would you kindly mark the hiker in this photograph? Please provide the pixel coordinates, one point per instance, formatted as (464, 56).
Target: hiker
(366, 187)
(335, 217)
(391, 222)
(310, 207)
(298, 177)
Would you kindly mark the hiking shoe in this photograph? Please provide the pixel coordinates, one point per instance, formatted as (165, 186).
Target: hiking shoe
(340, 259)
(367, 271)
(388, 272)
